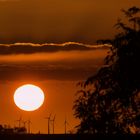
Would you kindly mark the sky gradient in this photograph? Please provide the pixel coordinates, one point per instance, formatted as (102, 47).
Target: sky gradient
(52, 44)
(55, 70)
(60, 21)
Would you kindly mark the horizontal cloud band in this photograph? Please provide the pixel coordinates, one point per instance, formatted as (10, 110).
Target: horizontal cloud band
(30, 48)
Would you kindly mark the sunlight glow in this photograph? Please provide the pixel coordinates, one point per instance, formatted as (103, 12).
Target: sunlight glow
(28, 97)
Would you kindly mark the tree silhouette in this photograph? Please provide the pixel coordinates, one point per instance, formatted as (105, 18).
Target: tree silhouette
(109, 101)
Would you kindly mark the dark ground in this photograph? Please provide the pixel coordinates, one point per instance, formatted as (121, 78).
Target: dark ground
(67, 137)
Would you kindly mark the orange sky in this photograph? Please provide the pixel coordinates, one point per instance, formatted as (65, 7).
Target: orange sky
(57, 73)
(59, 97)
(59, 20)
(55, 67)
(59, 65)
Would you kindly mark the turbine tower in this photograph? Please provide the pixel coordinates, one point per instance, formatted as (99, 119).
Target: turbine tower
(29, 129)
(66, 123)
(24, 123)
(48, 118)
(19, 122)
(53, 120)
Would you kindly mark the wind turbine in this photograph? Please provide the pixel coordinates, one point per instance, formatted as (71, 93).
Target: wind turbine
(19, 124)
(66, 123)
(48, 118)
(53, 122)
(24, 123)
(29, 122)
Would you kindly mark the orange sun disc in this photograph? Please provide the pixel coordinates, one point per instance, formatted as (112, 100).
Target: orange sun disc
(28, 97)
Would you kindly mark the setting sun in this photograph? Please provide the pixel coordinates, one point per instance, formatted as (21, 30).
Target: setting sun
(28, 97)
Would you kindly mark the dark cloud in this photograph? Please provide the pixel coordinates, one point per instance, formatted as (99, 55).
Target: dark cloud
(66, 65)
(30, 48)
(67, 61)
(14, 72)
(59, 21)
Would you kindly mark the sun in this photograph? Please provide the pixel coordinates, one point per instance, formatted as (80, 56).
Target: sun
(29, 97)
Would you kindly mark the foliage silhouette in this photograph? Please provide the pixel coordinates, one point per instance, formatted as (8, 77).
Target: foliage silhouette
(109, 101)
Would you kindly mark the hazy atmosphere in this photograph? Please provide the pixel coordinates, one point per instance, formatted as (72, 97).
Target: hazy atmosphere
(60, 21)
(52, 44)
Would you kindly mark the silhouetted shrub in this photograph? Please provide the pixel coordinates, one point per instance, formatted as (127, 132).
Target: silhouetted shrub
(109, 101)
